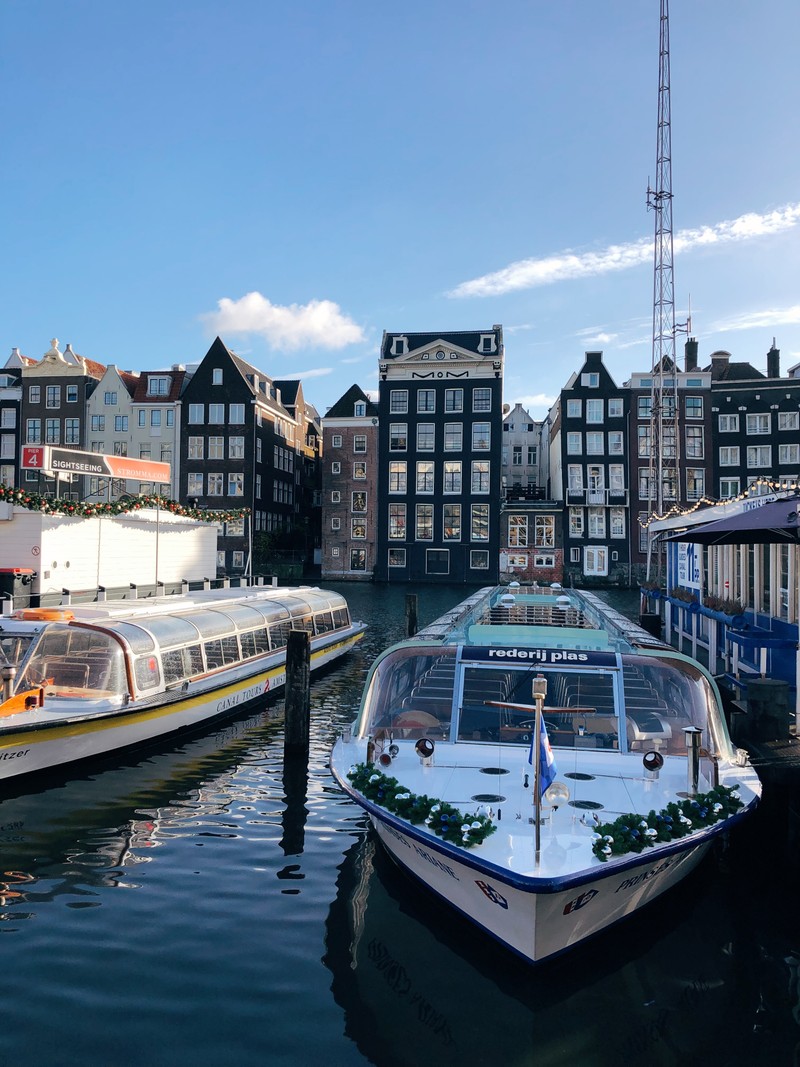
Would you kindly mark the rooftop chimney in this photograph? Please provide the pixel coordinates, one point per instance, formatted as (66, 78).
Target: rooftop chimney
(691, 353)
(774, 361)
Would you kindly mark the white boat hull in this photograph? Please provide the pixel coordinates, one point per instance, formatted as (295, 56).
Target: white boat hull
(82, 735)
(533, 922)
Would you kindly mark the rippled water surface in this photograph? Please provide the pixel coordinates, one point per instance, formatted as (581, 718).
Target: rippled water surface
(201, 904)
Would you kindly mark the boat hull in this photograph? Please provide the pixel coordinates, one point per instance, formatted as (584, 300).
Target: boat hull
(80, 736)
(534, 922)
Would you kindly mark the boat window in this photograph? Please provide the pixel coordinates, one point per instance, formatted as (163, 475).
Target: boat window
(70, 666)
(210, 623)
(279, 634)
(273, 612)
(410, 694)
(213, 651)
(665, 696)
(13, 648)
(170, 630)
(230, 649)
(579, 708)
(137, 638)
(248, 643)
(242, 616)
(305, 622)
(341, 617)
(179, 664)
(146, 672)
(323, 622)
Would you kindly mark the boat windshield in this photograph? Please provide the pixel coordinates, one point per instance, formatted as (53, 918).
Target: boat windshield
(647, 704)
(71, 661)
(14, 648)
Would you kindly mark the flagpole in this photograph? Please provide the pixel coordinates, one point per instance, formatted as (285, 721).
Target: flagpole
(539, 693)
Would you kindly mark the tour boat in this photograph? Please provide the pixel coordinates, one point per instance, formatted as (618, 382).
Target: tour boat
(543, 764)
(85, 680)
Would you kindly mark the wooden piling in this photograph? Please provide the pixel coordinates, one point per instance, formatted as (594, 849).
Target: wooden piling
(297, 694)
(411, 614)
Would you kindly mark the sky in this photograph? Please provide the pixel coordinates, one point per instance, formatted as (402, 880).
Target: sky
(297, 177)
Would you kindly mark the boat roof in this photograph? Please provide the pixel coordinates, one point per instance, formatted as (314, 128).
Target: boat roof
(541, 617)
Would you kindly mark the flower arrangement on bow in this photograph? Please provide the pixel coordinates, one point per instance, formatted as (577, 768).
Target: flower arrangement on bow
(634, 833)
(442, 818)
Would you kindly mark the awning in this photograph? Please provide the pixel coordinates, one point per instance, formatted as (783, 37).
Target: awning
(773, 523)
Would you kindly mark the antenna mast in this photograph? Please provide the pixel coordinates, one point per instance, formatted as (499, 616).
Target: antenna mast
(664, 441)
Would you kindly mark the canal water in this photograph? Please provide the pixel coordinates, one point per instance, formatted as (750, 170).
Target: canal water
(201, 904)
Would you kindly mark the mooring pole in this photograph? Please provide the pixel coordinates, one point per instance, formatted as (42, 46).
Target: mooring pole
(411, 614)
(298, 694)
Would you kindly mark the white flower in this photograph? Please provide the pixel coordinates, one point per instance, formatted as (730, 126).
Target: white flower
(476, 825)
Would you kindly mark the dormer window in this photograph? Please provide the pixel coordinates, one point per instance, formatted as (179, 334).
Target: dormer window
(158, 386)
(399, 346)
(216, 376)
(360, 409)
(487, 343)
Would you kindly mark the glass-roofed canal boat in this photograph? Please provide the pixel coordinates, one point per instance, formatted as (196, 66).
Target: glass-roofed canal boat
(89, 679)
(543, 764)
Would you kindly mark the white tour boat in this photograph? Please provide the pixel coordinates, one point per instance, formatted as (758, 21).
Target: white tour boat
(85, 680)
(543, 764)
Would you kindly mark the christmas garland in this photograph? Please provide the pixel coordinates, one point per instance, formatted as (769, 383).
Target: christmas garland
(445, 820)
(633, 833)
(83, 509)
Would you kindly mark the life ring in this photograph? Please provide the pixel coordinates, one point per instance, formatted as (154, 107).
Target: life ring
(44, 614)
(415, 720)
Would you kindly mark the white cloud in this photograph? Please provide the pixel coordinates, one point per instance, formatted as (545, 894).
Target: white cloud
(318, 324)
(536, 402)
(318, 372)
(760, 320)
(568, 265)
(589, 337)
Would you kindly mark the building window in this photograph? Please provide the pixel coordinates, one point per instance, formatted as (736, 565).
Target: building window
(644, 406)
(454, 400)
(518, 531)
(145, 452)
(694, 407)
(729, 487)
(397, 522)
(643, 440)
(425, 437)
(574, 444)
(574, 555)
(398, 436)
(544, 531)
(52, 431)
(437, 560)
(336, 522)
(109, 399)
(574, 409)
(235, 415)
(336, 441)
(237, 559)
(595, 560)
(590, 380)
(426, 400)
(424, 526)
(594, 411)
(235, 485)
(359, 409)
(481, 436)
(72, 394)
(453, 436)
(194, 485)
(695, 483)
(788, 420)
(215, 484)
(158, 386)
(425, 472)
(451, 522)
(644, 483)
(358, 502)
(574, 478)
(481, 399)
(34, 394)
(479, 526)
(480, 476)
(216, 448)
(616, 445)
(694, 442)
(615, 408)
(398, 476)
(729, 424)
(236, 448)
(360, 469)
(120, 423)
(196, 413)
(336, 496)
(155, 419)
(617, 522)
(360, 442)
(597, 522)
(452, 476)
(358, 529)
(544, 561)
(788, 454)
(216, 414)
(398, 401)
(479, 559)
(576, 522)
(397, 557)
(616, 479)
(729, 456)
(72, 431)
(595, 444)
(759, 455)
(758, 424)
(358, 559)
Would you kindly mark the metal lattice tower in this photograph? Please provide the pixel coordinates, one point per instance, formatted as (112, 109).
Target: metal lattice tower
(664, 440)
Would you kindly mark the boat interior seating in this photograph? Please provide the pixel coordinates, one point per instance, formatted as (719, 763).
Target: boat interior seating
(66, 673)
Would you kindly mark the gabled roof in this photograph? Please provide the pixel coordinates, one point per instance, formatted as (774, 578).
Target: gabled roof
(468, 340)
(177, 381)
(343, 407)
(734, 372)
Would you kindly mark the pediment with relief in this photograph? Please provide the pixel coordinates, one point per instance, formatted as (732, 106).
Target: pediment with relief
(441, 351)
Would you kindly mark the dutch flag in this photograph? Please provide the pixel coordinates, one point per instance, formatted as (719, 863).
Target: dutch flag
(547, 763)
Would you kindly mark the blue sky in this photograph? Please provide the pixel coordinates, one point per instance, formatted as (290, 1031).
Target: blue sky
(298, 177)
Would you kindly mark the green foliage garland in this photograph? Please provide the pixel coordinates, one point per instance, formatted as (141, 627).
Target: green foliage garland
(445, 820)
(83, 509)
(634, 833)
